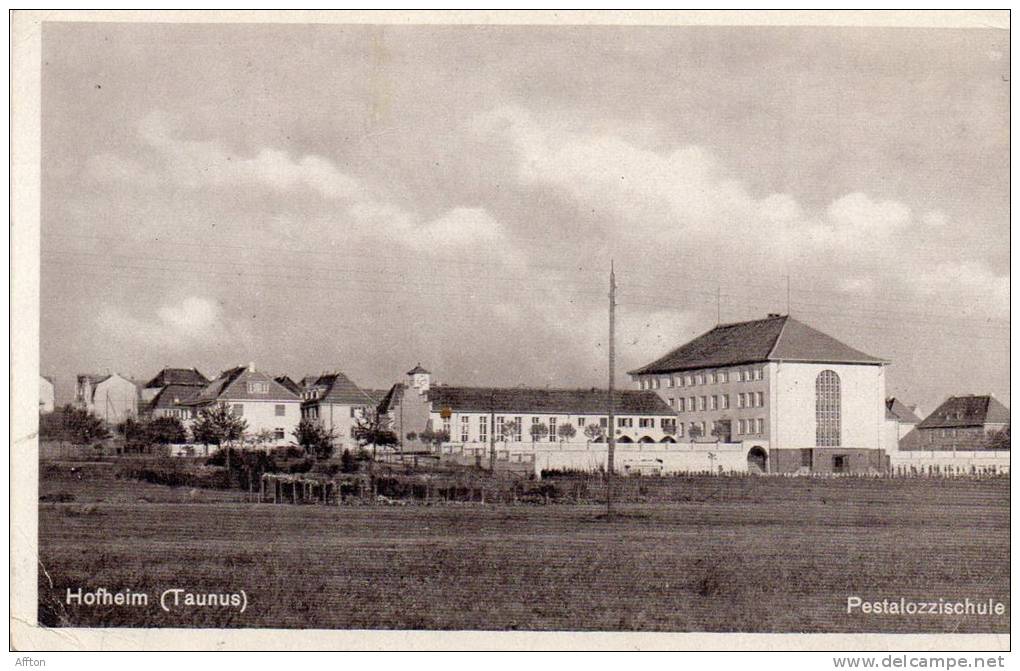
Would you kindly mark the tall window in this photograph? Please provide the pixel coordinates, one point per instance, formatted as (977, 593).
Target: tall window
(483, 429)
(827, 413)
(465, 423)
(552, 429)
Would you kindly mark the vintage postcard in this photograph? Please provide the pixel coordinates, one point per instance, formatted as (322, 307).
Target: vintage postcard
(511, 330)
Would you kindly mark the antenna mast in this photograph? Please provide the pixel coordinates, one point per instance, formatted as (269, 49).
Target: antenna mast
(612, 384)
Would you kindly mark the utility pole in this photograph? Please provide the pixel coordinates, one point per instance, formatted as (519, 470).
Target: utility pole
(718, 305)
(612, 383)
(492, 433)
(788, 295)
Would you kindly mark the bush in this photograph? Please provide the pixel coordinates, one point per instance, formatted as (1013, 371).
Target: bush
(302, 466)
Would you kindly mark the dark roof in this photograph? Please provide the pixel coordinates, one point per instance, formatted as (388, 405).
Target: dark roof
(896, 409)
(556, 401)
(177, 376)
(776, 338)
(338, 388)
(391, 399)
(93, 379)
(174, 395)
(231, 385)
(376, 394)
(963, 411)
(417, 369)
(289, 384)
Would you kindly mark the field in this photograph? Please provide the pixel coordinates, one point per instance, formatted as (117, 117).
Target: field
(742, 554)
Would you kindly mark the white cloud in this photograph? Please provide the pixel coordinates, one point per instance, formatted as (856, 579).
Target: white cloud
(935, 219)
(194, 318)
(197, 164)
(193, 321)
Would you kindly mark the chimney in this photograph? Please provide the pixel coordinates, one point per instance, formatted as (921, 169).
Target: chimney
(251, 365)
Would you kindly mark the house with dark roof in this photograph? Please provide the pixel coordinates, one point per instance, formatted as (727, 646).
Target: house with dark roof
(901, 420)
(477, 415)
(253, 395)
(112, 397)
(961, 423)
(337, 403)
(801, 400)
(165, 394)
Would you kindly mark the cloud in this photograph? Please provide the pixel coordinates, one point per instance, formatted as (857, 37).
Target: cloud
(196, 164)
(195, 317)
(684, 198)
(194, 321)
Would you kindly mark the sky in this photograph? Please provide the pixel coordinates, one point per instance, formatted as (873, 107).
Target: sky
(364, 198)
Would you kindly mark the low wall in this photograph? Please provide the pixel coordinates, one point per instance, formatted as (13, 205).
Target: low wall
(949, 462)
(630, 458)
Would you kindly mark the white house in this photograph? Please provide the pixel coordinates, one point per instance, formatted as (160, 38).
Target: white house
(113, 398)
(256, 397)
(46, 394)
(802, 400)
(337, 403)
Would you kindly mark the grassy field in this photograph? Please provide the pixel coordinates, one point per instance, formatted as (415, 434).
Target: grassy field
(746, 554)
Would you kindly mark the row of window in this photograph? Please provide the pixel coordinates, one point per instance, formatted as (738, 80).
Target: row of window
(552, 424)
(237, 409)
(751, 399)
(698, 379)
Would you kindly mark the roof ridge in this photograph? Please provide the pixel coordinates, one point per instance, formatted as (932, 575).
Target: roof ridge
(779, 336)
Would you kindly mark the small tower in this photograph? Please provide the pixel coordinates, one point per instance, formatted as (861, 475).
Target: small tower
(419, 379)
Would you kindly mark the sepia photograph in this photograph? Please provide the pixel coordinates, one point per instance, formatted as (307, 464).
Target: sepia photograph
(480, 323)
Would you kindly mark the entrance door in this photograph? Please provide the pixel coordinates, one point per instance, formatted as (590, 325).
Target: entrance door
(757, 460)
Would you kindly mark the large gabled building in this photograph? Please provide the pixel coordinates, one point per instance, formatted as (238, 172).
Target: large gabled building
(802, 400)
(476, 415)
(960, 423)
(338, 404)
(263, 403)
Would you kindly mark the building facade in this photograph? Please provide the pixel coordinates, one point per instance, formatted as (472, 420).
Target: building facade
(961, 423)
(338, 404)
(113, 398)
(263, 403)
(479, 415)
(168, 393)
(803, 401)
(47, 394)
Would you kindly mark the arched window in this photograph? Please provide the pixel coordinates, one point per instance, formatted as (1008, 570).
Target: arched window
(827, 409)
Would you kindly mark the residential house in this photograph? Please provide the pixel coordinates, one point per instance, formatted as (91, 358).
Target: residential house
(800, 400)
(337, 403)
(900, 420)
(169, 376)
(255, 396)
(167, 394)
(960, 423)
(47, 395)
(477, 414)
(112, 397)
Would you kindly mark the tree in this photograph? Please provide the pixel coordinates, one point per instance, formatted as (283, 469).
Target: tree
(372, 429)
(669, 428)
(999, 440)
(166, 431)
(566, 431)
(217, 425)
(348, 464)
(82, 427)
(510, 430)
(594, 433)
(538, 431)
(317, 440)
(434, 438)
(695, 431)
